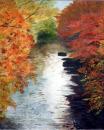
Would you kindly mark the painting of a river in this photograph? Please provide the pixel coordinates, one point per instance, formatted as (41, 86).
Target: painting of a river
(51, 65)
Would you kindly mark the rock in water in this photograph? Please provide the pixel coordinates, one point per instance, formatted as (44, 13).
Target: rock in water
(62, 54)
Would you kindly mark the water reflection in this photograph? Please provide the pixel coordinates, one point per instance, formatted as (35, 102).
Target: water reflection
(56, 87)
(43, 106)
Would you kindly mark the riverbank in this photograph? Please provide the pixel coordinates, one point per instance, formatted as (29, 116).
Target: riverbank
(55, 100)
(83, 119)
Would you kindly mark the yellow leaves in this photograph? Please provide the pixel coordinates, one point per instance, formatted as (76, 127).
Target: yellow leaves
(5, 102)
(43, 14)
(2, 37)
(36, 11)
(5, 80)
(5, 94)
(101, 51)
(101, 48)
(26, 50)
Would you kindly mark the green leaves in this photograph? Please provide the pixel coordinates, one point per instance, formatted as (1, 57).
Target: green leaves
(2, 37)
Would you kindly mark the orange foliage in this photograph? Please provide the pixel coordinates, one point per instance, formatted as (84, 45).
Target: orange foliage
(15, 45)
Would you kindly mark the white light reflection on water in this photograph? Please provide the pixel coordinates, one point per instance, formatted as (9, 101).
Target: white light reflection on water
(56, 86)
(43, 105)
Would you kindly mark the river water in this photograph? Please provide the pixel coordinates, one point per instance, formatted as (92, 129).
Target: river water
(43, 105)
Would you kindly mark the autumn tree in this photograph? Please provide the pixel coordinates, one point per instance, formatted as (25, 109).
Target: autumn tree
(36, 12)
(15, 45)
(81, 25)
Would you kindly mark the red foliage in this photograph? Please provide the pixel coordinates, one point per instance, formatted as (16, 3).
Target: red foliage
(86, 18)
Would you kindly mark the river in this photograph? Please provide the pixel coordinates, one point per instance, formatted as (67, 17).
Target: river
(43, 105)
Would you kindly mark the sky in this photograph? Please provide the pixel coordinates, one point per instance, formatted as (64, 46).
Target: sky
(61, 4)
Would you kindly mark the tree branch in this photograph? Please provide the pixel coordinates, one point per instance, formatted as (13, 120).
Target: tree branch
(7, 26)
(35, 10)
(25, 3)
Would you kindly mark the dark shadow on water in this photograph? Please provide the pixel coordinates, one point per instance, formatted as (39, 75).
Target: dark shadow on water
(82, 118)
(7, 124)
